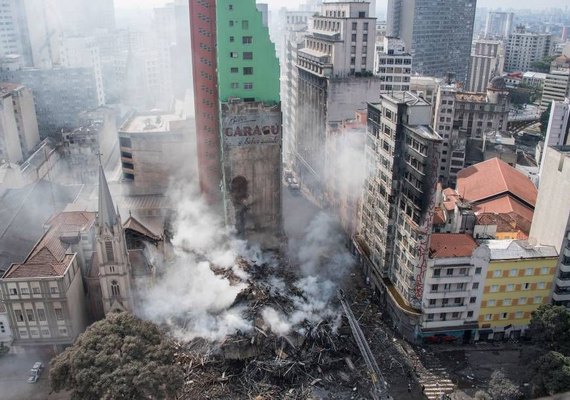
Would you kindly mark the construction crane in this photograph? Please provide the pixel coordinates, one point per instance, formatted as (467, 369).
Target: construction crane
(380, 387)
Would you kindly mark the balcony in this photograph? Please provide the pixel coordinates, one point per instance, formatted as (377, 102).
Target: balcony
(563, 282)
(561, 296)
(445, 308)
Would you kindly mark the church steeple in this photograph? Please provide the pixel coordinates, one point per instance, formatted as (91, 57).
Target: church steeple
(107, 214)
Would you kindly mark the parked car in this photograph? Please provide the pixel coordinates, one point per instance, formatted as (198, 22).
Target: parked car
(33, 378)
(37, 368)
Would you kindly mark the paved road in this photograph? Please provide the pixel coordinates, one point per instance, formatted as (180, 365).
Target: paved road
(14, 373)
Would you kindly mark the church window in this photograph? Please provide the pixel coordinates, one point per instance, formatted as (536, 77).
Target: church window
(115, 290)
(109, 251)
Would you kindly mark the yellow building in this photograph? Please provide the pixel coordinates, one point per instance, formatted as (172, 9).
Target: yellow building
(519, 279)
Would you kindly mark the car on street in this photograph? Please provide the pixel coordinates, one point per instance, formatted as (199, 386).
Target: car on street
(37, 368)
(33, 378)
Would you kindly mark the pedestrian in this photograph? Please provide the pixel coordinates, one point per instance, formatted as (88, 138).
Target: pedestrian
(409, 387)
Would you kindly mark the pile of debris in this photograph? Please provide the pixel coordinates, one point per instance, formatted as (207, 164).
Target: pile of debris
(316, 359)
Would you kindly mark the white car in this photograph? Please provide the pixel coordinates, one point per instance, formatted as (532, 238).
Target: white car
(37, 368)
(33, 378)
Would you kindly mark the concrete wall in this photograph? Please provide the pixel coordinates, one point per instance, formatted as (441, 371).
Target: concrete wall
(10, 149)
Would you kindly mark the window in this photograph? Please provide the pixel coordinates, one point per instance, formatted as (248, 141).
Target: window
(54, 290)
(63, 331)
(248, 70)
(507, 302)
(469, 314)
(45, 332)
(541, 285)
(248, 86)
(504, 315)
(436, 272)
(353, 37)
(24, 290)
(234, 85)
(245, 24)
(443, 316)
(488, 317)
(41, 314)
(109, 250)
(544, 270)
(23, 333)
(247, 55)
(519, 314)
(354, 26)
(513, 272)
(475, 285)
(230, 7)
(432, 302)
(232, 39)
(19, 315)
(526, 286)
(461, 286)
(449, 272)
(445, 301)
(362, 14)
(366, 26)
(430, 317)
(446, 286)
(2, 328)
(537, 300)
(234, 54)
(529, 271)
(234, 70)
(478, 271)
(247, 39)
(231, 23)
(494, 288)
(455, 315)
(497, 273)
(434, 288)
(510, 287)
(115, 290)
(125, 142)
(30, 314)
(58, 314)
(463, 271)
(473, 300)
(457, 300)
(13, 291)
(492, 303)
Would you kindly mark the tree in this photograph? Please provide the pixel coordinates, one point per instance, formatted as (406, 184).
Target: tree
(551, 374)
(482, 395)
(542, 65)
(544, 118)
(120, 357)
(550, 327)
(501, 388)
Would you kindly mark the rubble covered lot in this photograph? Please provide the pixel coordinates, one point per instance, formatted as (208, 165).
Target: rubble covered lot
(295, 349)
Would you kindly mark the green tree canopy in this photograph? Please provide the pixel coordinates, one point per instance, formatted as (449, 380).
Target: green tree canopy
(550, 326)
(120, 357)
(501, 388)
(544, 118)
(551, 374)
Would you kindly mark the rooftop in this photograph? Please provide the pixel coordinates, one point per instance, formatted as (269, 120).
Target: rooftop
(150, 123)
(504, 205)
(493, 178)
(447, 245)
(424, 131)
(518, 249)
(408, 98)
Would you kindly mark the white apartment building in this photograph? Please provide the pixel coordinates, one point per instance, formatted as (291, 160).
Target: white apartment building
(393, 64)
(83, 52)
(487, 60)
(498, 25)
(523, 48)
(19, 133)
(556, 86)
(558, 131)
(457, 268)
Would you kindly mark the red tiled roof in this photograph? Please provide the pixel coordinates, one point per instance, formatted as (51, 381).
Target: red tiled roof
(137, 226)
(49, 256)
(511, 222)
(492, 178)
(504, 205)
(447, 245)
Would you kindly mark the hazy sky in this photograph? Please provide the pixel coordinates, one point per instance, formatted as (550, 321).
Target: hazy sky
(381, 3)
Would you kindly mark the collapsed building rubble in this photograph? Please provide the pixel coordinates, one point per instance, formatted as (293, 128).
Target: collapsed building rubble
(316, 358)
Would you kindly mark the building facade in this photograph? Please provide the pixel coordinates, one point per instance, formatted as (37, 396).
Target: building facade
(398, 203)
(556, 86)
(334, 80)
(551, 223)
(460, 116)
(454, 281)
(393, 64)
(524, 48)
(437, 33)
(519, 280)
(558, 130)
(498, 25)
(487, 61)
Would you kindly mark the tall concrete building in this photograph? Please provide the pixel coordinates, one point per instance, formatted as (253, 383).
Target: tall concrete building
(242, 108)
(334, 80)
(402, 154)
(551, 222)
(498, 25)
(557, 82)
(393, 64)
(558, 131)
(524, 48)
(487, 60)
(19, 133)
(437, 32)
